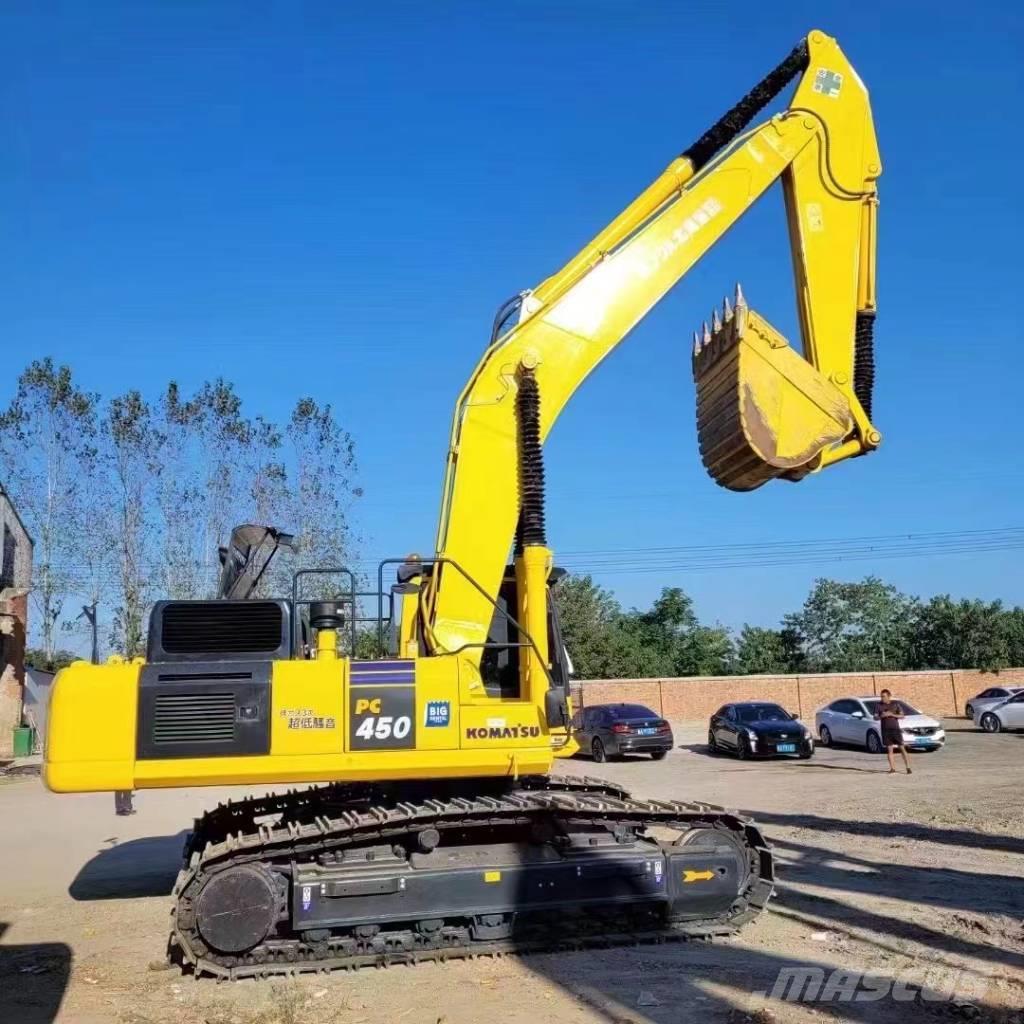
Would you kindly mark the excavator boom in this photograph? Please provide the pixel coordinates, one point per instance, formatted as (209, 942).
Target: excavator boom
(764, 410)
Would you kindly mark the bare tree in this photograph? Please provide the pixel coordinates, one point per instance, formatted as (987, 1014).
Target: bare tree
(321, 493)
(181, 493)
(47, 457)
(133, 455)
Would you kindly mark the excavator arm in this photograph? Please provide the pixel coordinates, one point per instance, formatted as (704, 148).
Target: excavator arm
(764, 410)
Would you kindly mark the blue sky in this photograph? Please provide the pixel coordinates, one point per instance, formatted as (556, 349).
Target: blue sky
(332, 199)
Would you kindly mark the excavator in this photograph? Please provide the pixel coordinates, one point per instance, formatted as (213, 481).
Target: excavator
(436, 827)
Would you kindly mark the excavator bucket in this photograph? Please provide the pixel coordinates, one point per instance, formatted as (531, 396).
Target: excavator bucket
(763, 411)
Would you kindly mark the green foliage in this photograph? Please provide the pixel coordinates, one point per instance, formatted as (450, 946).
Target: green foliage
(854, 627)
(606, 642)
(768, 651)
(954, 634)
(862, 626)
(37, 658)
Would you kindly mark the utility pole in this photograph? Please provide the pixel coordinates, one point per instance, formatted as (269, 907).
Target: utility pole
(89, 613)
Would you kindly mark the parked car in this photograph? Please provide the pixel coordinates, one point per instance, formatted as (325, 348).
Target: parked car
(1007, 715)
(852, 720)
(611, 730)
(989, 698)
(758, 729)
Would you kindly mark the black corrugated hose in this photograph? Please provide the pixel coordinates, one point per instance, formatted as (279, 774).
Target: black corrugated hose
(727, 127)
(864, 358)
(531, 528)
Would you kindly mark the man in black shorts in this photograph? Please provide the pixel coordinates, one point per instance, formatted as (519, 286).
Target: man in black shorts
(889, 713)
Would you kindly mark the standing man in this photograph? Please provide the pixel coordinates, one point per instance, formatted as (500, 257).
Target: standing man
(889, 713)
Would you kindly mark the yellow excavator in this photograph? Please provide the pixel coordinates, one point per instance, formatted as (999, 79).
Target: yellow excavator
(440, 830)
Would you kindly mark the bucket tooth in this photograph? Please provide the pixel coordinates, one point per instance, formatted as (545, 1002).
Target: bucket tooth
(726, 309)
(762, 410)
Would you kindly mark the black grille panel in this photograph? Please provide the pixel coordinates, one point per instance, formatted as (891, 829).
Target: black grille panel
(208, 627)
(224, 630)
(194, 718)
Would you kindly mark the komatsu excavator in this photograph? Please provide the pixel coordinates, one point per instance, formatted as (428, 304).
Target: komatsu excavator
(441, 831)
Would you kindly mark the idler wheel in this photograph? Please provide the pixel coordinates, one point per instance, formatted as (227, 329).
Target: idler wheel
(237, 909)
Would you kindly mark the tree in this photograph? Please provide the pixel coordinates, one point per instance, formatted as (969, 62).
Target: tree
(854, 627)
(37, 658)
(667, 640)
(965, 634)
(181, 493)
(672, 642)
(132, 452)
(588, 615)
(760, 651)
(47, 456)
(323, 459)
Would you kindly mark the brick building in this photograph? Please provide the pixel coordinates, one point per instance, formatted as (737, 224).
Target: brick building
(15, 577)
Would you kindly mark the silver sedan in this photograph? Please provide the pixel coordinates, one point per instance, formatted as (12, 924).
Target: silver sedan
(1007, 715)
(852, 720)
(989, 699)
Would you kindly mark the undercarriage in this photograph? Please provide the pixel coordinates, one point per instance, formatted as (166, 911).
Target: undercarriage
(346, 876)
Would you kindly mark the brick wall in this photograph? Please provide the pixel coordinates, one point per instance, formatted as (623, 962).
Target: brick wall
(938, 693)
(15, 575)
(13, 618)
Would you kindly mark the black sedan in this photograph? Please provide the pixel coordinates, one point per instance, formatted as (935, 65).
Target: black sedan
(758, 729)
(610, 730)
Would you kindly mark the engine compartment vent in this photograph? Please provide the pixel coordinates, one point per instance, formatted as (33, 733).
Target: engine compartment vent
(237, 630)
(194, 718)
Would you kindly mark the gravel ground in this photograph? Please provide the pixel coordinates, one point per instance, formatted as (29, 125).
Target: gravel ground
(908, 878)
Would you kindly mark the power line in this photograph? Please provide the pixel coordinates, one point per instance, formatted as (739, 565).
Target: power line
(706, 557)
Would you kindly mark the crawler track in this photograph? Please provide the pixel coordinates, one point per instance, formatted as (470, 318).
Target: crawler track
(279, 834)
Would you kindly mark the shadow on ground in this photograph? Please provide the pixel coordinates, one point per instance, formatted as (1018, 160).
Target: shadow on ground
(889, 829)
(33, 980)
(137, 868)
(727, 982)
(701, 749)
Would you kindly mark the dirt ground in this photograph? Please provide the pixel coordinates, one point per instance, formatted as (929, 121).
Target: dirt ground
(910, 878)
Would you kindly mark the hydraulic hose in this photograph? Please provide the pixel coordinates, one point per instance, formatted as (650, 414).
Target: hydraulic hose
(864, 358)
(531, 529)
(730, 124)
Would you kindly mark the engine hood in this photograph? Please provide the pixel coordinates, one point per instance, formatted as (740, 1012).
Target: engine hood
(777, 730)
(918, 722)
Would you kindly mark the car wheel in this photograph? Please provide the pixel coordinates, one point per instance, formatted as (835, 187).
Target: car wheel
(807, 755)
(968, 711)
(658, 755)
(597, 749)
(825, 736)
(874, 742)
(991, 723)
(743, 749)
(713, 747)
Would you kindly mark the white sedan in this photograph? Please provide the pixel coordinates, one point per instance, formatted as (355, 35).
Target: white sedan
(852, 720)
(1008, 715)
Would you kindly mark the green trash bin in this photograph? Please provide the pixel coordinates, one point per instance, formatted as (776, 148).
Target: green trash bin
(24, 741)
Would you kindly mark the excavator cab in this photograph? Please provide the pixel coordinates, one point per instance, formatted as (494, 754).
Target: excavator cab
(763, 411)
